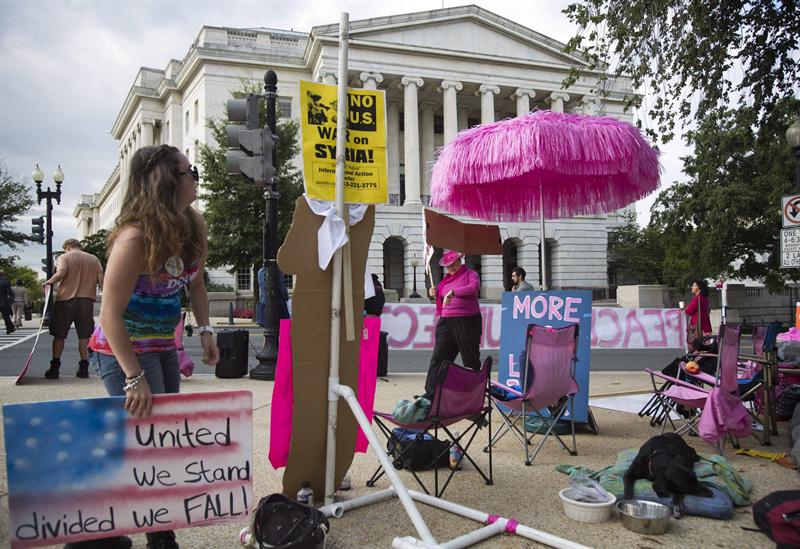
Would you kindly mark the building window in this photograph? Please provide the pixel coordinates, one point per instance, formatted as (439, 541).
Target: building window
(243, 280)
(284, 108)
(186, 122)
(196, 111)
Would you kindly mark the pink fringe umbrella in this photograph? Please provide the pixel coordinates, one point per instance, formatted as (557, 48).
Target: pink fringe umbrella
(565, 164)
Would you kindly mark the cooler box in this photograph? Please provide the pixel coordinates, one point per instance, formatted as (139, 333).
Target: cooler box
(233, 346)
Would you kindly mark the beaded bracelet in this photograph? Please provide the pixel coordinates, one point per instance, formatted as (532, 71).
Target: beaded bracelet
(132, 383)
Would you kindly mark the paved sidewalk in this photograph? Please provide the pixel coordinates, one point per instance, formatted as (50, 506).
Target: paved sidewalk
(529, 494)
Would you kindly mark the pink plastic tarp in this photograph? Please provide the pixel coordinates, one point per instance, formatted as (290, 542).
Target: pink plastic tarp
(283, 389)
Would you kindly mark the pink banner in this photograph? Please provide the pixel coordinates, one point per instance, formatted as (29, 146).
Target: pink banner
(411, 327)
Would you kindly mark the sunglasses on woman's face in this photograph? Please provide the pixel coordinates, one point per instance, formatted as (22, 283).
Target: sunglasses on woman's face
(193, 172)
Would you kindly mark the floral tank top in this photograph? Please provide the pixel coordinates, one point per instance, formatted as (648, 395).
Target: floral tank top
(152, 313)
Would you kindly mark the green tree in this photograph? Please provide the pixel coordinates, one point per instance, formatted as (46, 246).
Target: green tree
(725, 221)
(96, 245)
(635, 254)
(15, 200)
(727, 72)
(234, 208)
(692, 57)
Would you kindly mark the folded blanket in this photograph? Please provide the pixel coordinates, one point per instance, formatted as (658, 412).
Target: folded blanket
(712, 469)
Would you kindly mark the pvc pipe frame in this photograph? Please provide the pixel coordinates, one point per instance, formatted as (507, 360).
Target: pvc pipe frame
(336, 297)
(494, 524)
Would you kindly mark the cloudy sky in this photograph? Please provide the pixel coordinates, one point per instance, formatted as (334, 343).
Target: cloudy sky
(67, 66)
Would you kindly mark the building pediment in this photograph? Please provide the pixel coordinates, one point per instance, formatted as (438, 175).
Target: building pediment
(463, 30)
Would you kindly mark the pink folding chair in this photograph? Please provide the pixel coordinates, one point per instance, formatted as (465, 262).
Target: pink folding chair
(711, 413)
(550, 367)
(460, 395)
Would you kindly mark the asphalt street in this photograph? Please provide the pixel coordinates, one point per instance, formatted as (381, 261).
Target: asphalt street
(14, 350)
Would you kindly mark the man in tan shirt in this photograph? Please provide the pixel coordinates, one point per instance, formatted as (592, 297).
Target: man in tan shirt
(79, 274)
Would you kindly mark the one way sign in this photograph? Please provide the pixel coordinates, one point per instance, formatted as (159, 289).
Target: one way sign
(790, 206)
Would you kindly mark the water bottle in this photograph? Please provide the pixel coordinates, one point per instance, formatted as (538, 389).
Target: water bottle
(455, 454)
(306, 495)
(247, 538)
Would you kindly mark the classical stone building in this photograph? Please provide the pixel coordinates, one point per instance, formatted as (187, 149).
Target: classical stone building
(442, 71)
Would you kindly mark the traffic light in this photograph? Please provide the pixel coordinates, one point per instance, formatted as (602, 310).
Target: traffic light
(37, 229)
(44, 265)
(250, 147)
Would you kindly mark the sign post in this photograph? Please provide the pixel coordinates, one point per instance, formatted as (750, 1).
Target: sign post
(790, 248)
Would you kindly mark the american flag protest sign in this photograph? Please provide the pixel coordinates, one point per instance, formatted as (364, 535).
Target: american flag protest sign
(84, 469)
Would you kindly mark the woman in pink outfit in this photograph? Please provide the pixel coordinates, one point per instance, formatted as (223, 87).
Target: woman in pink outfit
(698, 308)
(459, 325)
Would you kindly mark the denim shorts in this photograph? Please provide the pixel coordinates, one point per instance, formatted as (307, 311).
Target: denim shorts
(160, 369)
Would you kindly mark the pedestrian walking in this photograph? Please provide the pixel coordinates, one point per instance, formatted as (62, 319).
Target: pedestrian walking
(20, 301)
(157, 250)
(518, 278)
(6, 299)
(78, 275)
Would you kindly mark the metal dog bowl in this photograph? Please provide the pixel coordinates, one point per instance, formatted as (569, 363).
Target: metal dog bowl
(644, 517)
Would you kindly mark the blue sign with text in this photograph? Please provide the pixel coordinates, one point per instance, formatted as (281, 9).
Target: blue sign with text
(556, 309)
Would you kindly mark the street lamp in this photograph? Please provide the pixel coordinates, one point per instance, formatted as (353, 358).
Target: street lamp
(268, 355)
(414, 265)
(48, 195)
(793, 139)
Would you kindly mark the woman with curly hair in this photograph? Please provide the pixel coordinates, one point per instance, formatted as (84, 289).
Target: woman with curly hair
(157, 249)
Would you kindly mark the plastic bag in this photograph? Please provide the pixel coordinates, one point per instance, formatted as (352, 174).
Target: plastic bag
(587, 490)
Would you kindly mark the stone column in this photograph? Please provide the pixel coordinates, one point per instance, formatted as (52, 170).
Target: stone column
(523, 97)
(463, 118)
(327, 76)
(590, 104)
(426, 133)
(487, 93)
(411, 129)
(449, 89)
(370, 80)
(492, 276)
(147, 134)
(557, 100)
(393, 149)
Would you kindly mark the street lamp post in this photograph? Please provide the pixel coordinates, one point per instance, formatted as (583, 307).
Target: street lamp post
(268, 355)
(793, 139)
(48, 196)
(414, 265)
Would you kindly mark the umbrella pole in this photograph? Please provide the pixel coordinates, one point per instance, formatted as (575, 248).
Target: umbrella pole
(542, 241)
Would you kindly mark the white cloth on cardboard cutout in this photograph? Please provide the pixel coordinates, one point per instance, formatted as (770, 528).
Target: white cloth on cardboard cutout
(332, 234)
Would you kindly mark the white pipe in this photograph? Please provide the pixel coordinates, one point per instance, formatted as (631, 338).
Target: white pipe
(336, 297)
(337, 509)
(480, 516)
(409, 542)
(402, 492)
(476, 536)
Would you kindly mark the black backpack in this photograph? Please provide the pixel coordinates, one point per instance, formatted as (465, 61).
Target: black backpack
(417, 451)
(281, 523)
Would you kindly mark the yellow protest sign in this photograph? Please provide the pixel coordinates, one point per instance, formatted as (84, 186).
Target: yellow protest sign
(365, 179)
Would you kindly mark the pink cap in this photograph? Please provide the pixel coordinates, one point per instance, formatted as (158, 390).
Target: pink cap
(449, 257)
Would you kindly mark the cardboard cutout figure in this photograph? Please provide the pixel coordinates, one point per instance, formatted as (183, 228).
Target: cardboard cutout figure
(311, 336)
